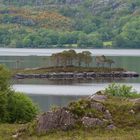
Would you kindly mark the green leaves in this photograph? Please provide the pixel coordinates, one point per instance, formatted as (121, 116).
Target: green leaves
(130, 35)
(121, 91)
(86, 23)
(14, 107)
(21, 108)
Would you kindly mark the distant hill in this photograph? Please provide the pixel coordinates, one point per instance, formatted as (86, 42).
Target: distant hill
(70, 23)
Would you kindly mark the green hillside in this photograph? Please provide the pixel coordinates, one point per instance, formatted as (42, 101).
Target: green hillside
(70, 23)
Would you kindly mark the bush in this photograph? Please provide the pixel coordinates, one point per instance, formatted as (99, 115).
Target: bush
(3, 106)
(4, 78)
(121, 90)
(14, 106)
(21, 108)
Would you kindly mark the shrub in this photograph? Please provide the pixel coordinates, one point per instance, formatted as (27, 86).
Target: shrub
(121, 90)
(21, 108)
(4, 78)
(14, 106)
(3, 106)
(79, 107)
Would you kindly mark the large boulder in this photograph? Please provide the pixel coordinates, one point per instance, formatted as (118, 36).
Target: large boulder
(92, 122)
(59, 119)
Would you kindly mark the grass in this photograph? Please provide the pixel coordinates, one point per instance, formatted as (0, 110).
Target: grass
(66, 69)
(90, 135)
(6, 132)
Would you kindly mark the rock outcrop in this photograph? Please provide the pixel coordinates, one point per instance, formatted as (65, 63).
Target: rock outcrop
(96, 111)
(98, 106)
(59, 119)
(89, 112)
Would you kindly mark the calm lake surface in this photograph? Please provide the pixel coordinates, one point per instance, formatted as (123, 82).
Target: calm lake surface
(48, 52)
(47, 96)
(60, 95)
(60, 92)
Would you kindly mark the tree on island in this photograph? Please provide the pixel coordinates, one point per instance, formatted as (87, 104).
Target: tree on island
(87, 58)
(102, 60)
(71, 58)
(110, 62)
(79, 59)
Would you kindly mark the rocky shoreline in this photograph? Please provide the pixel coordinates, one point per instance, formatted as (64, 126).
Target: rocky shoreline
(96, 111)
(75, 75)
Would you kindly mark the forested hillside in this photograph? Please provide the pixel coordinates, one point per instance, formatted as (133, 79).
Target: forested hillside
(70, 23)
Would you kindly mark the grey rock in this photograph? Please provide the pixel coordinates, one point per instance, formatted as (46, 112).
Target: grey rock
(107, 115)
(98, 98)
(59, 119)
(111, 127)
(92, 122)
(97, 106)
(135, 101)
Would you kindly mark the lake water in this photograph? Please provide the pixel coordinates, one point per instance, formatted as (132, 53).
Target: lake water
(48, 52)
(60, 92)
(60, 95)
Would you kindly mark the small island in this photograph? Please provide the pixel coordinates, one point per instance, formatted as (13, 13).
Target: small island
(72, 65)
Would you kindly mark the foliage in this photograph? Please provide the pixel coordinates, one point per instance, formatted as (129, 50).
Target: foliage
(107, 44)
(4, 78)
(79, 107)
(120, 108)
(121, 91)
(14, 106)
(71, 58)
(83, 108)
(21, 108)
(130, 35)
(62, 23)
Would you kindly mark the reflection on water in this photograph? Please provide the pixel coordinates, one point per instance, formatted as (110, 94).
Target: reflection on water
(46, 102)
